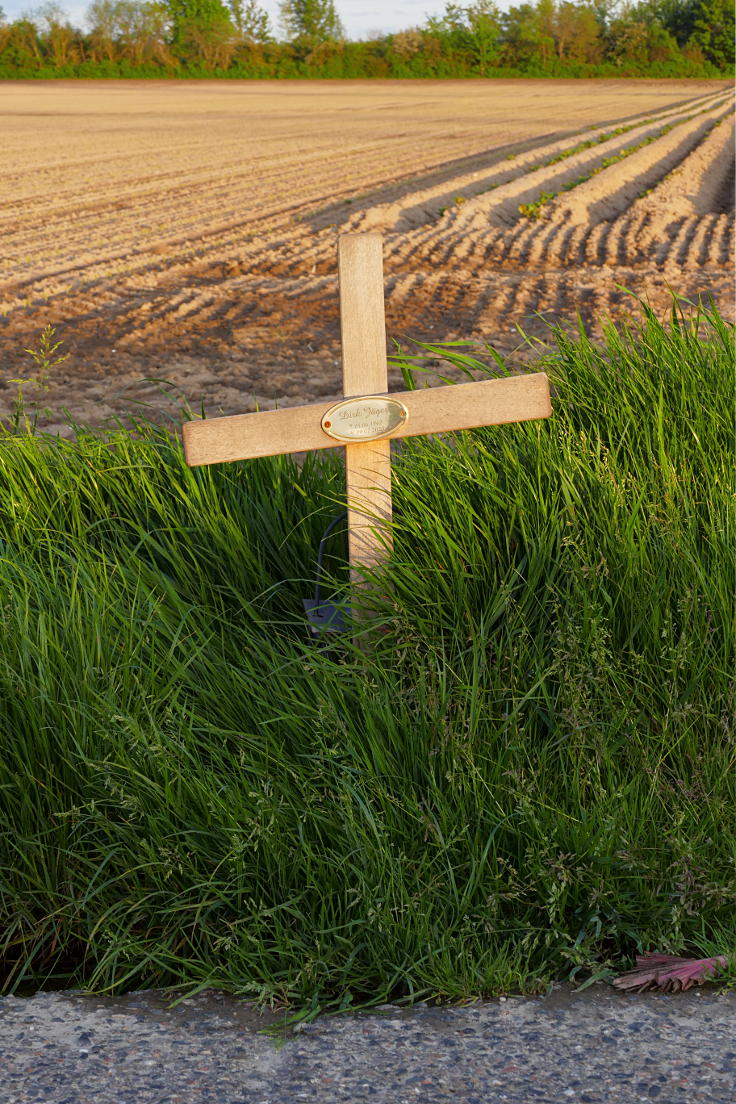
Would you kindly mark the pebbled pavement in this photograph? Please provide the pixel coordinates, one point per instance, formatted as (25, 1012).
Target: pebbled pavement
(595, 1047)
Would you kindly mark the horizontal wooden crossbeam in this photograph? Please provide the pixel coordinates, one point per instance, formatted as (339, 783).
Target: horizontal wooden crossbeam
(431, 410)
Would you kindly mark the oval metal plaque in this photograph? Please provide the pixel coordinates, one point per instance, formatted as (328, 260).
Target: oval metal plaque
(365, 419)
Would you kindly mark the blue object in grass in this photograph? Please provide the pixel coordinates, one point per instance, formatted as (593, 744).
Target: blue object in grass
(323, 615)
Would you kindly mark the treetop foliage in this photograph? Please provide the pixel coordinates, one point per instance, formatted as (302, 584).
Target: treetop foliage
(310, 20)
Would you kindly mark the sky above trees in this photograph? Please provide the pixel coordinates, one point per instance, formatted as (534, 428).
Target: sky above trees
(361, 18)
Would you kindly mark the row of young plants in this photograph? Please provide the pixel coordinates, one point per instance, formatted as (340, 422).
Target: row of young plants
(535, 209)
(528, 774)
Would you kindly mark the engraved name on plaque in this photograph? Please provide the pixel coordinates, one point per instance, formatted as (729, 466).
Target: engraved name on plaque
(368, 418)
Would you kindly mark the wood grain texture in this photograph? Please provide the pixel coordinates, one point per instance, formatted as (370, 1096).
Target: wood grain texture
(431, 410)
(365, 372)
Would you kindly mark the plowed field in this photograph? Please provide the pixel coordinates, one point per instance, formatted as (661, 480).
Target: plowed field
(188, 230)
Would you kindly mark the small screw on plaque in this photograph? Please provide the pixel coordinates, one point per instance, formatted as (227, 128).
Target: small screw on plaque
(327, 425)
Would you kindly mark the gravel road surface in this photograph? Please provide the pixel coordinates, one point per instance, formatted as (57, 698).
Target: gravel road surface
(595, 1047)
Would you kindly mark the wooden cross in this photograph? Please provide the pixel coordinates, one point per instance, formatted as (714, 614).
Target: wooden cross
(368, 418)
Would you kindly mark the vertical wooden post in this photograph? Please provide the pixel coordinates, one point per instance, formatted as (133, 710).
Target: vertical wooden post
(365, 372)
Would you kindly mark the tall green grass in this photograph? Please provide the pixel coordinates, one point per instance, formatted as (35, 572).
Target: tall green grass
(527, 774)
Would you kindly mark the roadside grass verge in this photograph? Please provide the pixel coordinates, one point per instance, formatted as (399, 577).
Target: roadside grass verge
(530, 773)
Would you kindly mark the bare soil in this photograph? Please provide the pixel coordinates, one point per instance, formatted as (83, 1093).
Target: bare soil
(187, 231)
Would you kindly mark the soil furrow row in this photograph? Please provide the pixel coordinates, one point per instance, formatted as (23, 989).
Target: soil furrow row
(233, 289)
(500, 207)
(613, 190)
(427, 205)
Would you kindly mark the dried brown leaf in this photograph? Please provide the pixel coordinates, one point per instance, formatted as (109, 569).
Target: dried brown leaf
(669, 972)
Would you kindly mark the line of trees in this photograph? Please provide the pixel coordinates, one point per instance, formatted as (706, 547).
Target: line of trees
(234, 38)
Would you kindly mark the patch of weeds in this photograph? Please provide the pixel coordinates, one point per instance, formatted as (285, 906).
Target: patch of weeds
(45, 358)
